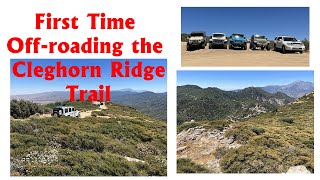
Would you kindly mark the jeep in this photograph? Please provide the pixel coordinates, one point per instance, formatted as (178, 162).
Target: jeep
(197, 40)
(258, 41)
(218, 40)
(287, 43)
(65, 111)
(237, 41)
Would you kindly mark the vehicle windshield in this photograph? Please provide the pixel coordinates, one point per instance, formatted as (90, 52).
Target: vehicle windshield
(289, 39)
(196, 34)
(260, 37)
(238, 35)
(218, 35)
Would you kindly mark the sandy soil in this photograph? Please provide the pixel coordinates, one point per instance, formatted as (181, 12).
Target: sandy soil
(226, 57)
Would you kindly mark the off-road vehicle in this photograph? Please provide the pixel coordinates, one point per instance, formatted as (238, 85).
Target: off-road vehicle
(218, 40)
(65, 111)
(197, 40)
(258, 41)
(237, 41)
(288, 43)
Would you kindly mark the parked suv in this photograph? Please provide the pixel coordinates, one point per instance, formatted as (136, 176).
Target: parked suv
(197, 40)
(288, 43)
(237, 41)
(258, 41)
(65, 111)
(218, 40)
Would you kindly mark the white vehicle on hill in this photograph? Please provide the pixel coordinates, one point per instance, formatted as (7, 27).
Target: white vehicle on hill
(65, 111)
(287, 43)
(218, 40)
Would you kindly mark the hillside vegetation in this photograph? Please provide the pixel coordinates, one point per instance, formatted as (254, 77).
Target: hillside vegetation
(24, 109)
(120, 141)
(271, 142)
(198, 103)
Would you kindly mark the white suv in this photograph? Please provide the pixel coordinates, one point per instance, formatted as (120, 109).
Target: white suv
(287, 43)
(65, 111)
(218, 40)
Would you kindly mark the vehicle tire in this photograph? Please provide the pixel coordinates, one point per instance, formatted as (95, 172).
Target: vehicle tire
(284, 51)
(262, 48)
(245, 47)
(254, 47)
(268, 47)
(188, 48)
(55, 115)
(275, 47)
(301, 52)
(203, 46)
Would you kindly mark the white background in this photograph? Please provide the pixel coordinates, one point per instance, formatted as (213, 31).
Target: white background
(157, 20)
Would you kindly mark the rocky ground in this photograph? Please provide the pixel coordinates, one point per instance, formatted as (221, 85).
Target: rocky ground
(200, 145)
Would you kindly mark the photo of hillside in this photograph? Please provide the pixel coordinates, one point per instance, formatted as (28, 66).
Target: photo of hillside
(248, 125)
(52, 136)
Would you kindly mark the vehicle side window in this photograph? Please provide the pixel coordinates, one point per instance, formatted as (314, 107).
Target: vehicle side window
(72, 109)
(280, 38)
(276, 38)
(65, 110)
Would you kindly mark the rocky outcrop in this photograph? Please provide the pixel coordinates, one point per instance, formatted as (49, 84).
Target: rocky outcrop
(200, 145)
(298, 170)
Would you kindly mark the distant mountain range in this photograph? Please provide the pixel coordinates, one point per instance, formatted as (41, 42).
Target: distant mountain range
(194, 102)
(154, 104)
(296, 89)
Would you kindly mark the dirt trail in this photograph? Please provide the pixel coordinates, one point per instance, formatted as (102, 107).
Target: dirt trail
(200, 145)
(226, 57)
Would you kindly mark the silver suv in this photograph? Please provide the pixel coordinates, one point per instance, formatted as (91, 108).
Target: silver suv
(218, 40)
(288, 43)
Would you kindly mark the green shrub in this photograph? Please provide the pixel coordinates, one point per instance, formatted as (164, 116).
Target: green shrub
(306, 42)
(24, 109)
(257, 130)
(187, 166)
(288, 120)
(82, 142)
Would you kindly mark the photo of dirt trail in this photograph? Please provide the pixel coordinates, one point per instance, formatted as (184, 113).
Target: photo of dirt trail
(52, 134)
(226, 57)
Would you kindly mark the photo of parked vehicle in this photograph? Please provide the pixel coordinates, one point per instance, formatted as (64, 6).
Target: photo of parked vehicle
(197, 40)
(287, 43)
(243, 42)
(237, 41)
(258, 41)
(218, 40)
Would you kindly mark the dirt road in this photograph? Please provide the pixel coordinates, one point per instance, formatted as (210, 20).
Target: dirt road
(226, 57)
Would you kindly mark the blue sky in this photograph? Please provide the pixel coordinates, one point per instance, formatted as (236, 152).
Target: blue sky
(35, 85)
(232, 80)
(268, 21)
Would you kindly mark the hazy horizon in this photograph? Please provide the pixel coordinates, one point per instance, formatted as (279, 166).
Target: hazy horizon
(33, 85)
(234, 80)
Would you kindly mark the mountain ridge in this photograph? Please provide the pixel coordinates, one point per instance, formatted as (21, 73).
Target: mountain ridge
(213, 103)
